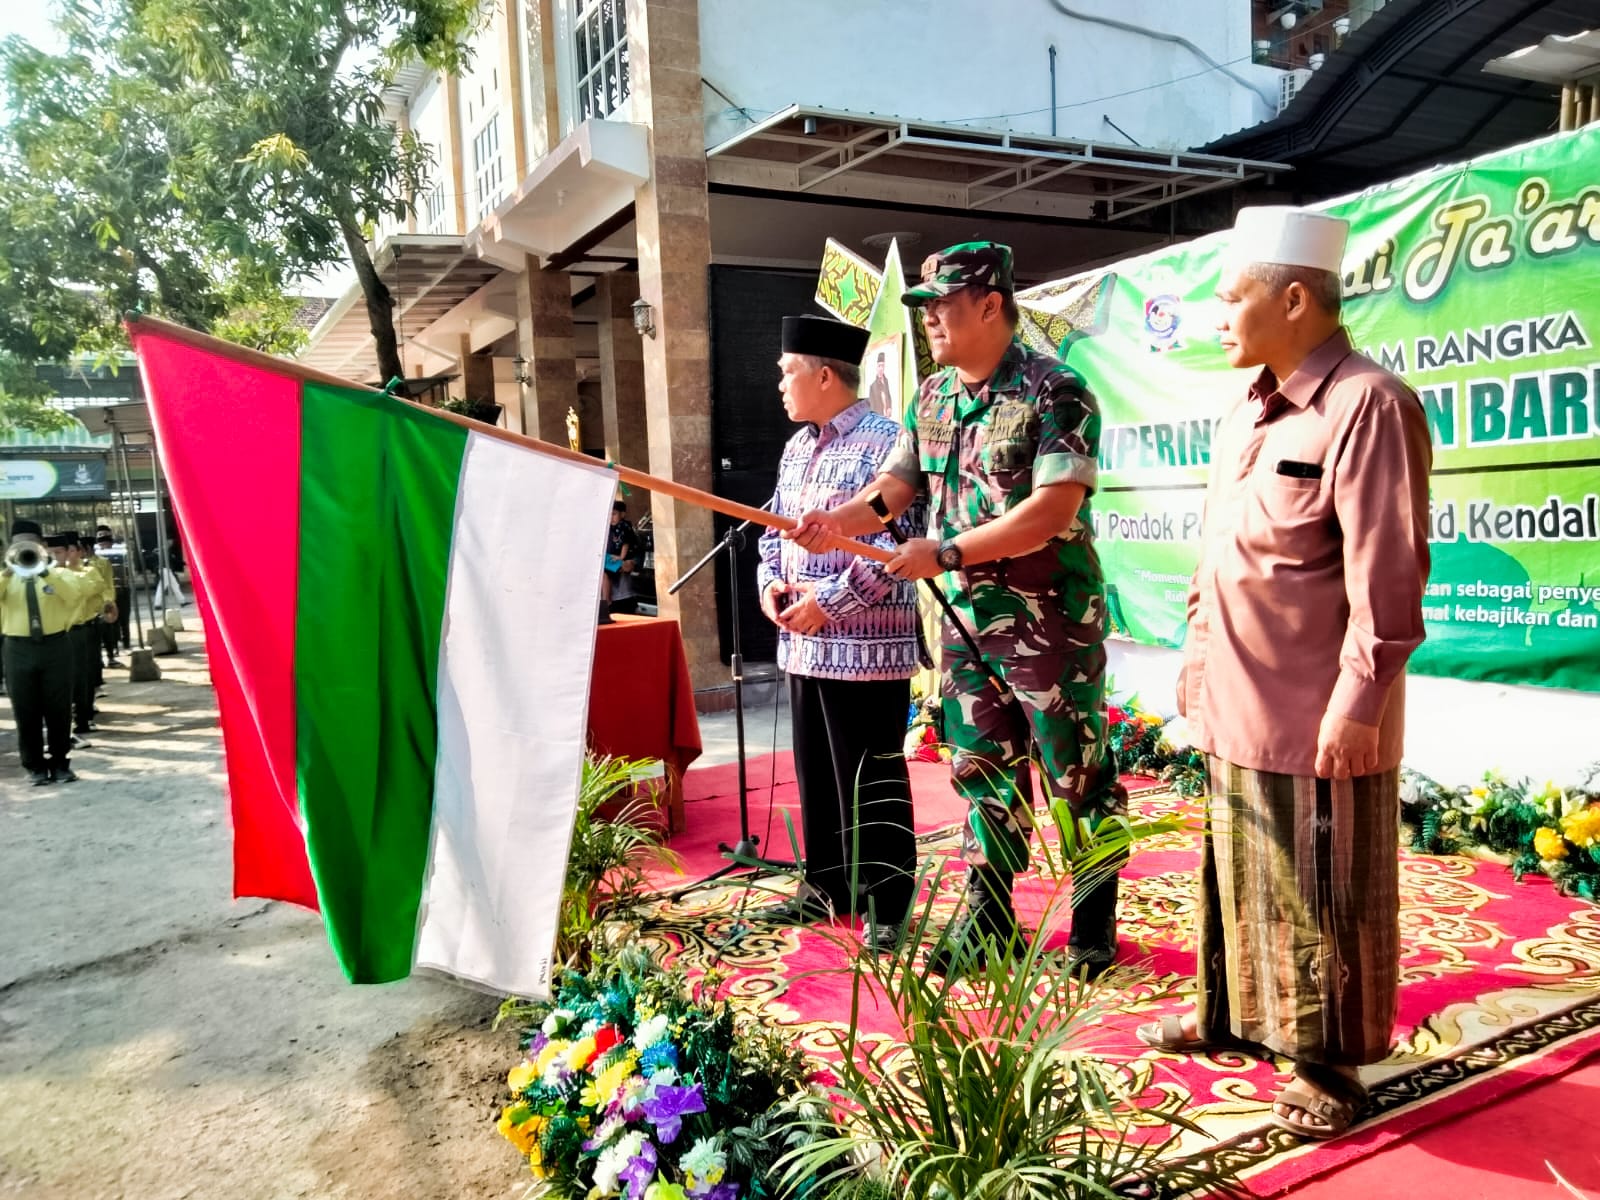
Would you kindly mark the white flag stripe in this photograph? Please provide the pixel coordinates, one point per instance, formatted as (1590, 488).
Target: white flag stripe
(514, 665)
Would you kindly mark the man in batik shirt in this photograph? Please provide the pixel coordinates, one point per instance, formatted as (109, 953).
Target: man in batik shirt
(848, 641)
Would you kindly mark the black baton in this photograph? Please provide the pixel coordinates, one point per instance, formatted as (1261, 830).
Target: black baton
(875, 502)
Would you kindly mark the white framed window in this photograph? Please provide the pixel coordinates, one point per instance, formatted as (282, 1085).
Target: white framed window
(433, 218)
(599, 57)
(488, 171)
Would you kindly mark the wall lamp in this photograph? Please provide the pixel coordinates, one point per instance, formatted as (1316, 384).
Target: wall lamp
(520, 372)
(644, 318)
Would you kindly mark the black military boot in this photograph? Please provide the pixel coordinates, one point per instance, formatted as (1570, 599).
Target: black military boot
(989, 926)
(1093, 942)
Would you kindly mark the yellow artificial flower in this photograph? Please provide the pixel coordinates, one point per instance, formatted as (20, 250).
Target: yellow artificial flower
(519, 1126)
(1549, 844)
(600, 1090)
(536, 1163)
(581, 1054)
(1582, 828)
(1481, 793)
(521, 1076)
(550, 1054)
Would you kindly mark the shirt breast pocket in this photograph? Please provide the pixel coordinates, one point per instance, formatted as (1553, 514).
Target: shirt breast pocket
(1294, 515)
(1007, 455)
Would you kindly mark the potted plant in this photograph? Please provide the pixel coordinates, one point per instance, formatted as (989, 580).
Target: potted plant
(999, 1086)
(476, 407)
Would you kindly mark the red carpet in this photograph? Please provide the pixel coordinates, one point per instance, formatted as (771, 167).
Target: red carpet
(1498, 997)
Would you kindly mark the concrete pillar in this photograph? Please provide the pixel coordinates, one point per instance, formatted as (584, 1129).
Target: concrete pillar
(627, 438)
(511, 43)
(672, 212)
(542, 104)
(545, 339)
(455, 149)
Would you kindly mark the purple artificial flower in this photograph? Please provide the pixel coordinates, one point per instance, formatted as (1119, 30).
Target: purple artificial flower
(539, 1042)
(667, 1105)
(726, 1190)
(639, 1172)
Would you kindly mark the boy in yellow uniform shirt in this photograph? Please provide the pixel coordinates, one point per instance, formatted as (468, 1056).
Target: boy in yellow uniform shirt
(37, 611)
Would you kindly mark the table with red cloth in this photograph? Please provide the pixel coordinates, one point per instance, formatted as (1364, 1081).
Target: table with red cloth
(641, 703)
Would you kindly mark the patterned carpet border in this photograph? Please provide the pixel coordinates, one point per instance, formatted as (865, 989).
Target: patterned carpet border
(1498, 992)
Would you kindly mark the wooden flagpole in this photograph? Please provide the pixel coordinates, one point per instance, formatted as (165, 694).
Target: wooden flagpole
(137, 324)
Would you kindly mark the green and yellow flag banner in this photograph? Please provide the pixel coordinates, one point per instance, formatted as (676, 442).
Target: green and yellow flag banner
(1480, 284)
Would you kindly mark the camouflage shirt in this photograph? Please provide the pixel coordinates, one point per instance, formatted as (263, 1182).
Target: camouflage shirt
(980, 454)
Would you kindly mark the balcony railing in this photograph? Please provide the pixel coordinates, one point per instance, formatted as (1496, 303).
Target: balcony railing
(1300, 34)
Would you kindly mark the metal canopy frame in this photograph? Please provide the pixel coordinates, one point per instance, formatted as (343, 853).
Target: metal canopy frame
(826, 152)
(427, 274)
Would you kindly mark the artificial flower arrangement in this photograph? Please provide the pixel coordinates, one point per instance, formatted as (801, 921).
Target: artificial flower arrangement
(633, 1086)
(1552, 831)
(924, 732)
(1148, 744)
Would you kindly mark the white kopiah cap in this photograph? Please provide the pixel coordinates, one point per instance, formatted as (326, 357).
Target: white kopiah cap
(1289, 237)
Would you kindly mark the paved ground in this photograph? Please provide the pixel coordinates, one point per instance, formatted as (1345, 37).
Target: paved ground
(159, 1041)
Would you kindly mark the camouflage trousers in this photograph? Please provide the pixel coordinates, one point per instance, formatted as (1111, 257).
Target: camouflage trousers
(1056, 718)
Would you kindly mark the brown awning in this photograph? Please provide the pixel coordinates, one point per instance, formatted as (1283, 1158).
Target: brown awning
(860, 156)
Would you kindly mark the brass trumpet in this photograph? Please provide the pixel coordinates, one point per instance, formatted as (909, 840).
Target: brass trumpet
(25, 559)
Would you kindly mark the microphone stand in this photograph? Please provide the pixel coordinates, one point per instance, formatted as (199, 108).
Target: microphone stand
(745, 853)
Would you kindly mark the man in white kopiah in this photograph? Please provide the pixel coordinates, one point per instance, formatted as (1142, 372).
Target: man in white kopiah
(1302, 614)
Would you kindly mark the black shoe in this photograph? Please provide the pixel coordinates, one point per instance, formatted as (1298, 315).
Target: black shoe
(64, 775)
(1088, 963)
(884, 937)
(40, 778)
(1092, 946)
(114, 665)
(987, 928)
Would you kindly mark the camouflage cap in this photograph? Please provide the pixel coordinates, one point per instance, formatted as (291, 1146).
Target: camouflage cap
(980, 264)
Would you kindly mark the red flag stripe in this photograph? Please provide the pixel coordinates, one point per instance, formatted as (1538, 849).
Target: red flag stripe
(229, 435)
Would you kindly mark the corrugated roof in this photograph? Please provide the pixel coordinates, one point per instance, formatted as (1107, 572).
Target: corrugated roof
(1407, 91)
(75, 439)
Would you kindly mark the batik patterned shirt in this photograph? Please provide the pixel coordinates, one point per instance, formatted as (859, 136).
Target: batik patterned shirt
(872, 617)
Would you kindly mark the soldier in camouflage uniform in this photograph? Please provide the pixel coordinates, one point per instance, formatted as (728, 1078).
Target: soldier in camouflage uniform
(1005, 441)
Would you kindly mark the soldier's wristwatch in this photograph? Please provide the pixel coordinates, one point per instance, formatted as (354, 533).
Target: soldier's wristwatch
(949, 555)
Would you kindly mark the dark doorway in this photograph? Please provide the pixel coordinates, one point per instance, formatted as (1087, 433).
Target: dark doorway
(748, 425)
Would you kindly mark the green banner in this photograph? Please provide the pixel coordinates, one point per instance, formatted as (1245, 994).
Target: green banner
(1480, 284)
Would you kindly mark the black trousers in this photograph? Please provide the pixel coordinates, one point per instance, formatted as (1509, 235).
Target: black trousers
(107, 631)
(855, 793)
(124, 613)
(39, 682)
(85, 674)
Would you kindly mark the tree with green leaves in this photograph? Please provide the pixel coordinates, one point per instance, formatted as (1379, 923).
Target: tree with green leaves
(97, 227)
(283, 118)
(196, 158)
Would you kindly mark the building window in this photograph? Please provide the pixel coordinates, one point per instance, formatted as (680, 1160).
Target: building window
(433, 209)
(487, 173)
(600, 58)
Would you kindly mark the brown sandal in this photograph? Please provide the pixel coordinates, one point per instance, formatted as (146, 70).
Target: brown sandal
(1338, 1111)
(1167, 1035)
